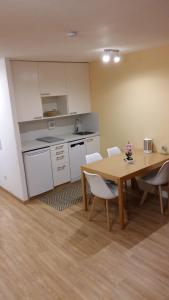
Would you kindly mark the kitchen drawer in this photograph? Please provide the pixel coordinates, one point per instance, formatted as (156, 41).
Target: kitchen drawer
(61, 174)
(58, 147)
(59, 153)
(59, 157)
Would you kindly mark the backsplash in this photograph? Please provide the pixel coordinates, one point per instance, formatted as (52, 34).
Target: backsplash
(31, 130)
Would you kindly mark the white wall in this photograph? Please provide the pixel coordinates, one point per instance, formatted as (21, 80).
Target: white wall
(12, 176)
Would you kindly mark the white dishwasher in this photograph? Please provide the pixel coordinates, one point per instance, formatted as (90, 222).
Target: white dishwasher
(38, 171)
(77, 154)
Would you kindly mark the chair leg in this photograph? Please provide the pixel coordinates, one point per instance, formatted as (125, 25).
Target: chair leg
(144, 196)
(161, 199)
(108, 217)
(90, 196)
(147, 190)
(92, 208)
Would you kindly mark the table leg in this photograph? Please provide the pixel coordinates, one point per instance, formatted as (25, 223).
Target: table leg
(168, 200)
(121, 203)
(85, 200)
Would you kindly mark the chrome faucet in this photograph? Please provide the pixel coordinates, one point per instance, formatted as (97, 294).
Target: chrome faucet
(76, 126)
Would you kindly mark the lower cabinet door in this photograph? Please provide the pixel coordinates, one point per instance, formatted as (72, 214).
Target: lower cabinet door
(61, 173)
(92, 145)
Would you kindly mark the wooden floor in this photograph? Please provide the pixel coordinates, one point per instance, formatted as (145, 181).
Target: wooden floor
(46, 254)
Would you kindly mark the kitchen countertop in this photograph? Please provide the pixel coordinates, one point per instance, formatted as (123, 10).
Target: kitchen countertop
(69, 137)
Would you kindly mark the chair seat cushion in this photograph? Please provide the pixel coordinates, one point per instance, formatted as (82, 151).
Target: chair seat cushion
(150, 178)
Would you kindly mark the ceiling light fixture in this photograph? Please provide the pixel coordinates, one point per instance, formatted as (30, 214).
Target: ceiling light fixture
(111, 54)
(116, 57)
(106, 55)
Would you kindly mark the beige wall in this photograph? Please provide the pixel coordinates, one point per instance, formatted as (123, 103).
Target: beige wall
(132, 99)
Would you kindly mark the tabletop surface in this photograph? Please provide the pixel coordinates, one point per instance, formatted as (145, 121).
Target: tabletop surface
(116, 168)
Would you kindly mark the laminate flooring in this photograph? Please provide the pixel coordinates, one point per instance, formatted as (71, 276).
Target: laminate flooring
(50, 255)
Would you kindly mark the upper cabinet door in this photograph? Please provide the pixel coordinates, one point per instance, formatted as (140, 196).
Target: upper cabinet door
(78, 88)
(52, 80)
(26, 88)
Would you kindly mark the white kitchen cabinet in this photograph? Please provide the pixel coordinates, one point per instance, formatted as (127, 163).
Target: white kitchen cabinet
(52, 81)
(38, 171)
(26, 89)
(63, 83)
(60, 164)
(92, 144)
(78, 88)
(62, 174)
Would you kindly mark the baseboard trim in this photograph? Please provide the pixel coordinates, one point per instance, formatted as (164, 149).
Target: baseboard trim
(11, 194)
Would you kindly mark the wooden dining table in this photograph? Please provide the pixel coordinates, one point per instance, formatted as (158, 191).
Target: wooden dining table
(118, 170)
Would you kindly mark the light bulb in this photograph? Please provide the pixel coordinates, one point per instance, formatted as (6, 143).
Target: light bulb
(116, 59)
(106, 58)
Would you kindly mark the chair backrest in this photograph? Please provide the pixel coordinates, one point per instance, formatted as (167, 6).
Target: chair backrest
(162, 176)
(113, 151)
(98, 186)
(93, 157)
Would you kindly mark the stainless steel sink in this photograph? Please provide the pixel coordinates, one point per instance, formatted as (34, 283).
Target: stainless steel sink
(84, 132)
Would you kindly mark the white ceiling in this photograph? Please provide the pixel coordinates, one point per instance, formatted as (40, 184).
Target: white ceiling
(36, 29)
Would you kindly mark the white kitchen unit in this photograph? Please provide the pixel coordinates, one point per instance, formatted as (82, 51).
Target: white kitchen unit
(60, 164)
(77, 154)
(92, 144)
(26, 89)
(65, 160)
(52, 81)
(34, 81)
(78, 88)
(38, 171)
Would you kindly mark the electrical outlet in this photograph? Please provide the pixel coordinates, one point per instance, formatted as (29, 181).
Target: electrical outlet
(51, 124)
(164, 149)
(5, 177)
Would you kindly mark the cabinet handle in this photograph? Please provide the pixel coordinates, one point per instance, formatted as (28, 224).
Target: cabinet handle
(60, 157)
(89, 140)
(61, 168)
(60, 152)
(36, 118)
(59, 147)
(45, 94)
